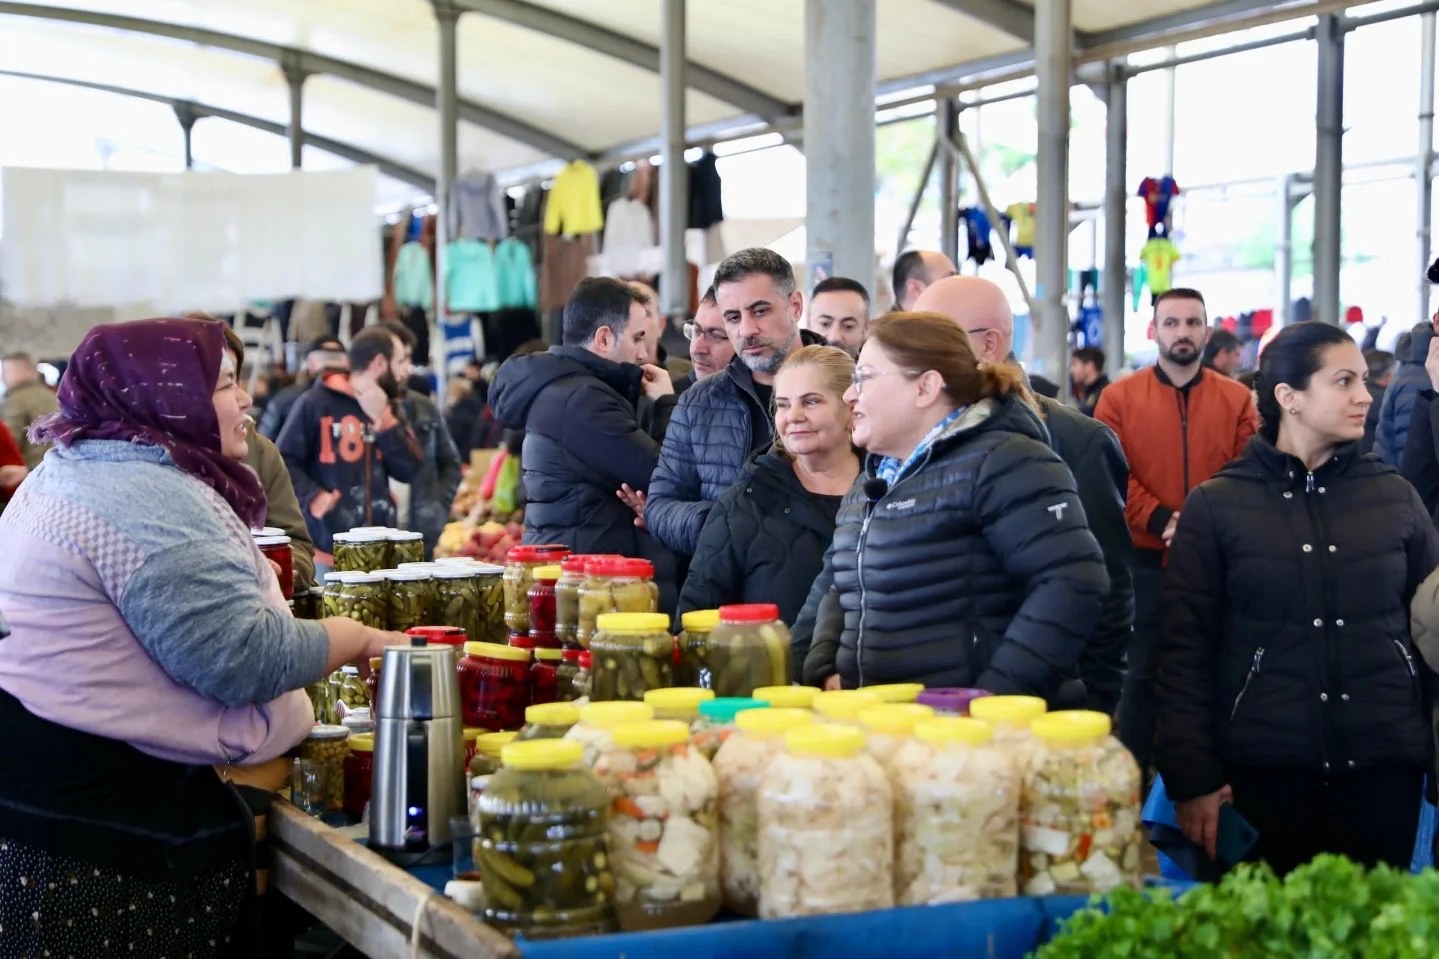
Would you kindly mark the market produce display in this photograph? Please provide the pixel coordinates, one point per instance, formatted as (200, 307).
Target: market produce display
(632, 653)
(489, 542)
(749, 648)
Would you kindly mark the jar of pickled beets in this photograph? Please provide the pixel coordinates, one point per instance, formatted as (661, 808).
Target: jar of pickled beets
(494, 686)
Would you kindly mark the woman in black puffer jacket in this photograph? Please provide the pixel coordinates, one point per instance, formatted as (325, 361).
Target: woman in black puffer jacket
(963, 557)
(1288, 682)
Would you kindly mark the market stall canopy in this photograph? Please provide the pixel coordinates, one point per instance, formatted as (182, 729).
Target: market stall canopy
(539, 80)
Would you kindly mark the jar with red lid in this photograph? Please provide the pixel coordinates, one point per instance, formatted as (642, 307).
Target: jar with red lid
(359, 766)
(520, 564)
(542, 606)
(565, 672)
(615, 586)
(545, 676)
(494, 686)
(438, 635)
(277, 550)
(567, 597)
(748, 649)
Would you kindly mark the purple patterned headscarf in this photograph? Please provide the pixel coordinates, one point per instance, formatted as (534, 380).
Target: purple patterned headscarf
(153, 382)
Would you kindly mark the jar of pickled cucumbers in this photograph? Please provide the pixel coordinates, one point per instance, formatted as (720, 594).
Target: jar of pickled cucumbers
(739, 769)
(826, 832)
(615, 586)
(567, 596)
(520, 564)
(748, 649)
(406, 547)
(361, 551)
(492, 626)
(494, 686)
(545, 676)
(716, 721)
(543, 853)
(1079, 812)
(888, 726)
(896, 692)
(324, 701)
(455, 600)
(787, 697)
(950, 700)
(330, 595)
(350, 692)
(542, 606)
(549, 721)
(632, 654)
(663, 828)
(565, 673)
(693, 669)
(486, 758)
(364, 597)
(842, 705)
(1011, 717)
(598, 719)
(326, 746)
(584, 675)
(410, 597)
(681, 703)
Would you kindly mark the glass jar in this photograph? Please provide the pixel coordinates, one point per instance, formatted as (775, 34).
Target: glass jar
(520, 564)
(632, 654)
(1011, 717)
(567, 596)
(584, 675)
(888, 726)
(488, 748)
(896, 692)
(350, 691)
(787, 697)
(597, 719)
(680, 703)
(950, 700)
(693, 668)
(469, 735)
(326, 746)
(492, 627)
(565, 674)
(361, 551)
(543, 851)
(410, 599)
(324, 700)
(956, 799)
(842, 705)
(455, 600)
(748, 649)
(365, 599)
(372, 685)
(541, 598)
(549, 721)
(1080, 808)
(716, 720)
(358, 772)
(494, 686)
(663, 828)
(826, 841)
(739, 768)
(438, 635)
(615, 586)
(406, 547)
(545, 676)
(276, 549)
(330, 596)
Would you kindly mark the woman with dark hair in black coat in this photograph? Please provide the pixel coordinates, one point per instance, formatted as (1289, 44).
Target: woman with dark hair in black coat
(1289, 684)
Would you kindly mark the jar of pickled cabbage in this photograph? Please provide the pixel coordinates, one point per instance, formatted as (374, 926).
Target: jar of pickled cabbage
(1011, 717)
(545, 676)
(950, 700)
(716, 722)
(549, 721)
(326, 746)
(330, 595)
(543, 853)
(520, 564)
(895, 692)
(455, 600)
(494, 686)
(364, 597)
(406, 547)
(693, 670)
(748, 649)
(542, 605)
(1080, 808)
(956, 798)
(787, 697)
(598, 719)
(663, 828)
(358, 770)
(680, 703)
(632, 653)
(565, 673)
(410, 597)
(842, 705)
(615, 586)
(739, 769)
(889, 725)
(361, 551)
(826, 829)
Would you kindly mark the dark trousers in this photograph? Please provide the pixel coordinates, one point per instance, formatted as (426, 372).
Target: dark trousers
(1136, 703)
(1371, 815)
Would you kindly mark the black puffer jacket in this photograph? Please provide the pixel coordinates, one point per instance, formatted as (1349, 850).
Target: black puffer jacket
(976, 569)
(1285, 627)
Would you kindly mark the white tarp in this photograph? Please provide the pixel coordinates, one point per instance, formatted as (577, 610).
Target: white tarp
(187, 241)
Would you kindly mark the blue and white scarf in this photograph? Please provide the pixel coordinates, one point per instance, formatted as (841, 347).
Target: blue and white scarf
(892, 470)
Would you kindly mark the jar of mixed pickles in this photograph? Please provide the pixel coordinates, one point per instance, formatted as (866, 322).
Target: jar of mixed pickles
(494, 686)
(632, 654)
(543, 851)
(584, 675)
(663, 828)
(889, 725)
(787, 697)
(455, 600)
(520, 564)
(842, 705)
(1011, 716)
(716, 721)
(826, 833)
(549, 721)
(410, 597)
(615, 586)
(950, 700)
(681, 703)
(565, 673)
(895, 692)
(598, 719)
(542, 606)
(545, 676)
(406, 547)
(330, 596)
(365, 598)
(748, 649)
(326, 746)
(739, 767)
(361, 551)
(359, 772)
(567, 596)
(693, 669)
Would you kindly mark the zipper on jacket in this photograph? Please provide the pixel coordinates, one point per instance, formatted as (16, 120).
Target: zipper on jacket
(1309, 483)
(1182, 398)
(863, 605)
(1408, 659)
(1253, 671)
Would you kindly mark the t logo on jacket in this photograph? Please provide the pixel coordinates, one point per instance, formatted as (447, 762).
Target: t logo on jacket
(1058, 510)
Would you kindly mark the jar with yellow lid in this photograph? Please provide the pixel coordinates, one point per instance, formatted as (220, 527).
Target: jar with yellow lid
(895, 692)
(549, 721)
(1080, 808)
(739, 769)
(543, 849)
(565, 672)
(1010, 716)
(696, 626)
(494, 685)
(842, 705)
(359, 770)
(615, 585)
(749, 648)
(826, 826)
(486, 759)
(956, 798)
(597, 719)
(663, 828)
(541, 598)
(545, 675)
(787, 697)
(326, 745)
(889, 725)
(632, 654)
(680, 703)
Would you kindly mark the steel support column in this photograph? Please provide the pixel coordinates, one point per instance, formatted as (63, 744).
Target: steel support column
(186, 115)
(946, 121)
(1113, 284)
(839, 79)
(1424, 159)
(1284, 251)
(674, 175)
(1170, 99)
(295, 79)
(1329, 168)
(1052, 38)
(447, 16)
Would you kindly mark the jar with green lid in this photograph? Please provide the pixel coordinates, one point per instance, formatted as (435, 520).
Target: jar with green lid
(330, 597)
(693, 668)
(896, 692)
(361, 551)
(520, 564)
(716, 721)
(842, 706)
(598, 719)
(455, 600)
(543, 852)
(406, 547)
(549, 721)
(616, 586)
(748, 649)
(680, 703)
(787, 697)
(365, 598)
(409, 599)
(632, 654)
(326, 746)
(565, 673)
(567, 597)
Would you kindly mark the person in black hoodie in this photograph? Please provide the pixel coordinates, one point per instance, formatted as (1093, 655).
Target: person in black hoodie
(764, 540)
(344, 440)
(1288, 679)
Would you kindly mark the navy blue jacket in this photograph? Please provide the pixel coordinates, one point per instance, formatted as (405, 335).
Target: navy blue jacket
(1398, 406)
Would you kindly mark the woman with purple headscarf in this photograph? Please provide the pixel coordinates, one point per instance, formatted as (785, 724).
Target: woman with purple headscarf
(151, 653)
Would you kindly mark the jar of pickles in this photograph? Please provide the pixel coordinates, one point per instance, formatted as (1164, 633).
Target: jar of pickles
(739, 768)
(787, 697)
(681, 703)
(324, 701)
(365, 598)
(663, 828)
(716, 721)
(330, 595)
(372, 685)
(826, 835)
(485, 761)
(889, 726)
(896, 692)
(1080, 808)
(545, 676)
(565, 673)
(693, 668)
(542, 605)
(361, 551)
(615, 585)
(956, 799)
(326, 746)
(350, 691)
(406, 547)
(494, 686)
(469, 735)
(842, 705)
(410, 597)
(520, 564)
(748, 649)
(950, 700)
(549, 721)
(455, 600)
(492, 627)
(584, 675)
(567, 596)
(1011, 717)
(358, 772)
(598, 719)
(543, 851)
(632, 654)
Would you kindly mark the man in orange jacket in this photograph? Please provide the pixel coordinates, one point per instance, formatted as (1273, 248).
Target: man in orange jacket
(1178, 424)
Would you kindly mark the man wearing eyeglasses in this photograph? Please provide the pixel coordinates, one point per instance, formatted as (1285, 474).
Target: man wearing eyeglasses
(710, 348)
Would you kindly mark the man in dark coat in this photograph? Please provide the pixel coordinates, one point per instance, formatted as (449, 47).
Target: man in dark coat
(326, 353)
(1398, 406)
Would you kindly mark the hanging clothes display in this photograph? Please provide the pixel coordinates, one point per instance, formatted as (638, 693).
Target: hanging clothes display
(477, 205)
(1159, 256)
(629, 234)
(706, 201)
(1156, 193)
(458, 334)
(573, 207)
(1021, 215)
(514, 276)
(470, 281)
(414, 276)
(976, 230)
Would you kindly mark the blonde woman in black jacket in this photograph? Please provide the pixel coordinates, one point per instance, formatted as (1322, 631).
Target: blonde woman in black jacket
(1288, 681)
